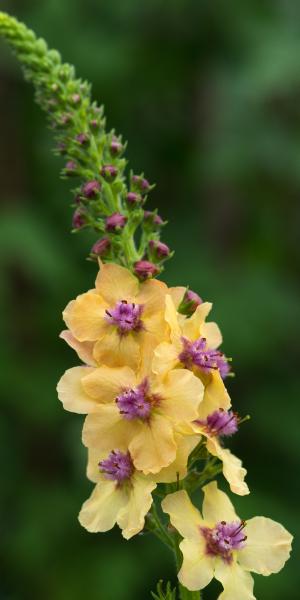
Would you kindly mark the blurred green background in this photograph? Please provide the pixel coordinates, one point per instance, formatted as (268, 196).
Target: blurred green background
(207, 93)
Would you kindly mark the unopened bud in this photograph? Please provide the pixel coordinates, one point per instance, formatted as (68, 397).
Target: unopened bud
(109, 172)
(133, 198)
(76, 98)
(189, 303)
(94, 123)
(116, 147)
(82, 138)
(140, 183)
(115, 221)
(91, 188)
(101, 247)
(153, 219)
(71, 168)
(66, 120)
(160, 249)
(145, 269)
(78, 219)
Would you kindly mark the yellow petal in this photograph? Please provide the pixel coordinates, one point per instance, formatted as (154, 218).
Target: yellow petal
(238, 584)
(115, 283)
(114, 350)
(216, 506)
(212, 334)
(106, 429)
(182, 393)
(197, 568)
(131, 517)
(83, 349)
(165, 358)
(232, 467)
(148, 344)
(152, 295)
(177, 294)
(178, 468)
(192, 326)
(215, 396)
(85, 317)
(71, 392)
(153, 447)
(267, 548)
(100, 512)
(183, 515)
(94, 457)
(171, 317)
(105, 384)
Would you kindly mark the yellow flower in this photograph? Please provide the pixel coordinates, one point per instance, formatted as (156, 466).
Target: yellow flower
(215, 424)
(122, 494)
(144, 410)
(112, 323)
(218, 544)
(192, 345)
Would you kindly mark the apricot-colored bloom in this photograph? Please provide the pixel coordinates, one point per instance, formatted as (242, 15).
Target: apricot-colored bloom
(115, 320)
(219, 544)
(192, 345)
(122, 494)
(144, 410)
(216, 424)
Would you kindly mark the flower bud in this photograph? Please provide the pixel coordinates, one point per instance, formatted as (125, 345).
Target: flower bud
(94, 124)
(116, 147)
(82, 139)
(133, 198)
(115, 221)
(71, 168)
(189, 303)
(66, 119)
(76, 98)
(145, 269)
(153, 219)
(140, 183)
(91, 188)
(109, 172)
(101, 247)
(78, 219)
(160, 249)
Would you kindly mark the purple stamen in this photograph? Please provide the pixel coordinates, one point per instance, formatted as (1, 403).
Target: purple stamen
(126, 316)
(197, 354)
(117, 467)
(220, 422)
(137, 403)
(224, 538)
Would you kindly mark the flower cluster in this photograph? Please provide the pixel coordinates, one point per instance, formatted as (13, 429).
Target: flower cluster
(151, 381)
(152, 387)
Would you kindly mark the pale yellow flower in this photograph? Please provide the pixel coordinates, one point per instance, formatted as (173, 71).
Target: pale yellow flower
(218, 544)
(122, 494)
(179, 351)
(144, 410)
(215, 423)
(112, 323)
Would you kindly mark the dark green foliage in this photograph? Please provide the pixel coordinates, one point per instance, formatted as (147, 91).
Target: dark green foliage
(168, 594)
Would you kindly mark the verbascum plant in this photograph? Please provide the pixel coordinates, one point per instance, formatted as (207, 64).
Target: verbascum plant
(151, 378)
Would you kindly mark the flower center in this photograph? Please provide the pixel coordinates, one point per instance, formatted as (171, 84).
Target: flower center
(126, 316)
(117, 467)
(137, 403)
(220, 422)
(224, 538)
(196, 353)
